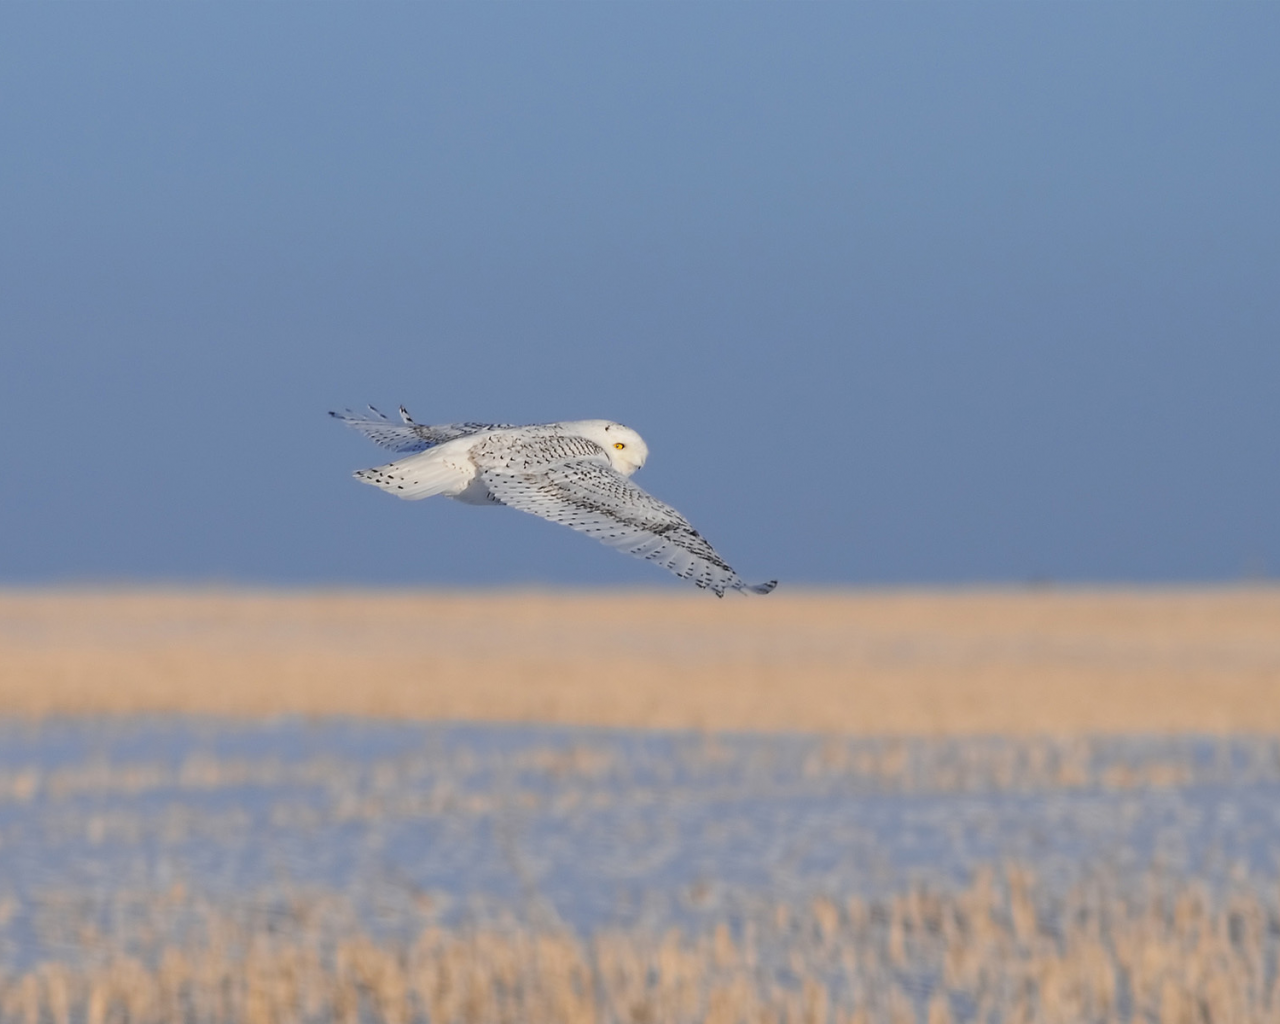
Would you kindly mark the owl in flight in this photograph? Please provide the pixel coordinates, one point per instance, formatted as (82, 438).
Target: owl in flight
(575, 473)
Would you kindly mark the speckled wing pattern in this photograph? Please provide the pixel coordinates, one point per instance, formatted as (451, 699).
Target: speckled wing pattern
(569, 480)
(408, 436)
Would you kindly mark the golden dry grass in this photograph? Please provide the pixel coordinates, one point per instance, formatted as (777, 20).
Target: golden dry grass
(1000, 950)
(900, 662)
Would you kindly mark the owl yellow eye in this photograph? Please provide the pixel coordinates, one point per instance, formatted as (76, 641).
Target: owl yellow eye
(619, 446)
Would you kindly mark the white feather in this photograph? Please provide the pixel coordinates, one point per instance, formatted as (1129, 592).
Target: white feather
(421, 476)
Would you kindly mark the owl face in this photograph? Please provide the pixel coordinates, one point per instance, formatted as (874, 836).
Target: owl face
(626, 449)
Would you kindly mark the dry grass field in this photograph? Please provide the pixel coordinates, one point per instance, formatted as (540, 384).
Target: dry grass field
(295, 872)
(905, 807)
(905, 662)
(985, 953)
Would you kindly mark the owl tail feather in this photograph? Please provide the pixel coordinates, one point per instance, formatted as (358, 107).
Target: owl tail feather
(419, 476)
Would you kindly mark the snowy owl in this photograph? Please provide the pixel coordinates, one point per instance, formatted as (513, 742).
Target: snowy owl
(576, 473)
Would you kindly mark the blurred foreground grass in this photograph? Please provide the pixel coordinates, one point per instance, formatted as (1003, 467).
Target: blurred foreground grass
(156, 872)
(1001, 949)
(906, 663)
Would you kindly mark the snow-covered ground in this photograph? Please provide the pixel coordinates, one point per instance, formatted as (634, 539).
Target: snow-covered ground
(125, 829)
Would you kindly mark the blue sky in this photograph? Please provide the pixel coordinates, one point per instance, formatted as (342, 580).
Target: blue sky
(896, 293)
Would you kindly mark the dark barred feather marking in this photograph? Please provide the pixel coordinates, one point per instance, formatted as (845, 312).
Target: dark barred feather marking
(569, 480)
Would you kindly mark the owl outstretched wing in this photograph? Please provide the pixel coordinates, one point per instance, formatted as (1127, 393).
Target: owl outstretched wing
(408, 435)
(562, 479)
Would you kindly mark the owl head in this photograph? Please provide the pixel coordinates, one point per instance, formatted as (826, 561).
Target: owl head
(626, 449)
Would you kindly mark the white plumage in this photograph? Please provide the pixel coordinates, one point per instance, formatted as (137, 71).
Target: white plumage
(575, 473)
